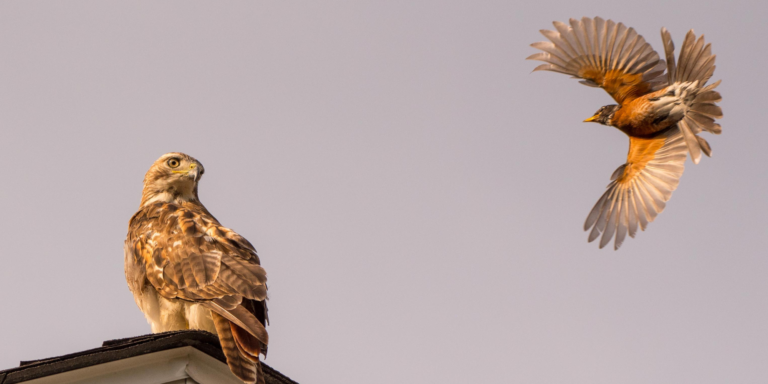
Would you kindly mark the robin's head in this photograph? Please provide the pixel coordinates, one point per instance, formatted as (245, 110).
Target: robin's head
(603, 115)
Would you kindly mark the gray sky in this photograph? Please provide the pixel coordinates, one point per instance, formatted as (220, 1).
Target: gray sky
(416, 195)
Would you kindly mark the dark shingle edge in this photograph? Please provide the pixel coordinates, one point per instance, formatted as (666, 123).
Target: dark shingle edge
(113, 350)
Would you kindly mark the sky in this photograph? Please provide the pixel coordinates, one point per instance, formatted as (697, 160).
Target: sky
(415, 193)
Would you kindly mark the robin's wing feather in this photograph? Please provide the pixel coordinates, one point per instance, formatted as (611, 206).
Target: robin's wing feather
(639, 189)
(669, 53)
(696, 64)
(696, 60)
(604, 54)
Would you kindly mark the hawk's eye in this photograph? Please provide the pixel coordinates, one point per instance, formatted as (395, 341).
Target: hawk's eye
(173, 163)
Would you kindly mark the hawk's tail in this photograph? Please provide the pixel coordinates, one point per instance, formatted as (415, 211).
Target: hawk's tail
(241, 350)
(696, 64)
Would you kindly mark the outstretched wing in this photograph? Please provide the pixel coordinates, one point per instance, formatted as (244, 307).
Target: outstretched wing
(604, 54)
(186, 254)
(696, 64)
(640, 188)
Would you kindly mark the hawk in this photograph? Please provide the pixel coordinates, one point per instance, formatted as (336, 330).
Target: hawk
(187, 271)
(661, 113)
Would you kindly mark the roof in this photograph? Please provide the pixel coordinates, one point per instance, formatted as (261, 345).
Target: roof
(115, 350)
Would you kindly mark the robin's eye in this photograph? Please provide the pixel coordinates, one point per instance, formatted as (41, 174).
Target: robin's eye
(173, 163)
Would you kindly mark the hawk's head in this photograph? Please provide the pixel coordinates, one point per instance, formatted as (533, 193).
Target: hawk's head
(172, 178)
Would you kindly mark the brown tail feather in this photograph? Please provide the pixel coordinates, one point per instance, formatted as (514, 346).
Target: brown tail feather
(243, 318)
(242, 367)
(259, 374)
(259, 309)
(249, 346)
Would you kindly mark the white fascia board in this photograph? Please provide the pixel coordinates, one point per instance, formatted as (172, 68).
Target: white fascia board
(153, 368)
(206, 370)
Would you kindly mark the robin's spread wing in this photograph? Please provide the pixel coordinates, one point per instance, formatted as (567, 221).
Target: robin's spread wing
(187, 254)
(640, 188)
(604, 54)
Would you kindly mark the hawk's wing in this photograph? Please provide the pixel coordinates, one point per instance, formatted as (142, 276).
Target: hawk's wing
(186, 254)
(640, 188)
(604, 54)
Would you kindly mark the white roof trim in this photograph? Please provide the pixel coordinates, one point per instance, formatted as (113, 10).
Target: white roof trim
(206, 370)
(156, 368)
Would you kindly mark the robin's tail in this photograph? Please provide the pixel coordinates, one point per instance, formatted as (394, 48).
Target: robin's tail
(696, 65)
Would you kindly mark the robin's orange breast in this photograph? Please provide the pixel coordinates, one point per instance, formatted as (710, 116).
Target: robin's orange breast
(641, 118)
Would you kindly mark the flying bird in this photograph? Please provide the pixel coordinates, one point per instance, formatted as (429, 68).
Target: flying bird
(662, 113)
(187, 271)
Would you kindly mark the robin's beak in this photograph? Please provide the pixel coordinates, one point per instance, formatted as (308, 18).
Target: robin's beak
(591, 119)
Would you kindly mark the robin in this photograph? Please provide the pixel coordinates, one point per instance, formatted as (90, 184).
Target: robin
(662, 113)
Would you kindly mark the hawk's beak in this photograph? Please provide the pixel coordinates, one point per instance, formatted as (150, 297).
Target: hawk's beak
(591, 119)
(194, 172)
